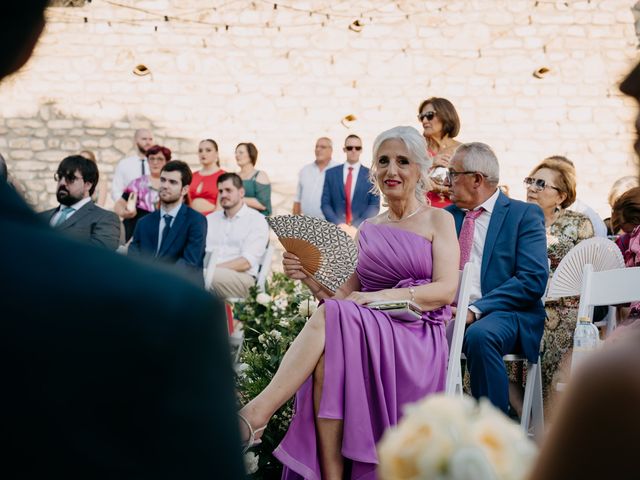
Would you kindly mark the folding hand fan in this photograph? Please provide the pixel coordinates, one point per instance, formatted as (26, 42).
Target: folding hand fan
(325, 251)
(602, 253)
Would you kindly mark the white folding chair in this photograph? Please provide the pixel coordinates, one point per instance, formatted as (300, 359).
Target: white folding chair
(532, 410)
(265, 267)
(608, 287)
(453, 385)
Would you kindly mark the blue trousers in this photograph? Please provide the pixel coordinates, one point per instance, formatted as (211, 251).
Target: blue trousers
(486, 341)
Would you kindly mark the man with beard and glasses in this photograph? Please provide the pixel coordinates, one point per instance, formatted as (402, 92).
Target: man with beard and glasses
(77, 215)
(110, 368)
(130, 168)
(175, 233)
(237, 237)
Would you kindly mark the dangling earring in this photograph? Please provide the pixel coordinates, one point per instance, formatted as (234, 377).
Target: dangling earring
(557, 209)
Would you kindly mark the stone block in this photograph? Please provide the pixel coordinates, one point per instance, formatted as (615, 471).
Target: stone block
(97, 132)
(59, 124)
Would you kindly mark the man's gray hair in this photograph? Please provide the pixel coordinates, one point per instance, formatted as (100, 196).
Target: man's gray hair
(479, 157)
(417, 148)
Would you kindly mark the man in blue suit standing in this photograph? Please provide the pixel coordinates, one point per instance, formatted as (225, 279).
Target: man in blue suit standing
(506, 240)
(174, 233)
(347, 199)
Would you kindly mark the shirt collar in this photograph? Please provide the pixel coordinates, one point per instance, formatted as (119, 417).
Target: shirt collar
(355, 166)
(243, 209)
(490, 203)
(173, 212)
(78, 205)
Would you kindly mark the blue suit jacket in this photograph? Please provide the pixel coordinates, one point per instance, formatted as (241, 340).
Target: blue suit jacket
(334, 203)
(514, 269)
(184, 246)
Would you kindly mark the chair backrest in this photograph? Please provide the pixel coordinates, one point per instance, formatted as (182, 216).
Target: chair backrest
(455, 348)
(608, 287)
(209, 269)
(265, 267)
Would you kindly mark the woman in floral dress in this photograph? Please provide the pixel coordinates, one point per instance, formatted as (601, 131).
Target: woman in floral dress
(552, 185)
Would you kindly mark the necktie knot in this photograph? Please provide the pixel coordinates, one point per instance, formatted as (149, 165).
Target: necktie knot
(473, 214)
(64, 214)
(167, 220)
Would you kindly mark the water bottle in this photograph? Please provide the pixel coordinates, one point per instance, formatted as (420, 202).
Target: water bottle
(586, 339)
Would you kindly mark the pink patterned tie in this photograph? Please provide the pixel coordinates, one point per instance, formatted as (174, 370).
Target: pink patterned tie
(466, 235)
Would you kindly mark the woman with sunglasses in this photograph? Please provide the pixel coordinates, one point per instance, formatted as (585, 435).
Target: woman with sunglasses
(441, 125)
(552, 185)
(257, 187)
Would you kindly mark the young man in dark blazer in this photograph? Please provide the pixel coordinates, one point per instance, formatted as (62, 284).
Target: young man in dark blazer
(347, 199)
(174, 233)
(110, 369)
(77, 215)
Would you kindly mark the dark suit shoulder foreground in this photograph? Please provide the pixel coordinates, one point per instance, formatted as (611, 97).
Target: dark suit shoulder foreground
(91, 224)
(110, 369)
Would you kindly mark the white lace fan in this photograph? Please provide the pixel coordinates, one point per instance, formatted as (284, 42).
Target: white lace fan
(602, 253)
(326, 252)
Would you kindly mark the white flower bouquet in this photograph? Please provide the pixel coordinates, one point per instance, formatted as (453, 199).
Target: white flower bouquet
(448, 438)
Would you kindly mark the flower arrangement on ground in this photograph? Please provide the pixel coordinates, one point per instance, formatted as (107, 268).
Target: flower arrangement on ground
(448, 438)
(271, 320)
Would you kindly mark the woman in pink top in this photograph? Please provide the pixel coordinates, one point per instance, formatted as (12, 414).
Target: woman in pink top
(441, 124)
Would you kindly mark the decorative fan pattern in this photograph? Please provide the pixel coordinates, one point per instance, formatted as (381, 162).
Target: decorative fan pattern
(307, 236)
(602, 253)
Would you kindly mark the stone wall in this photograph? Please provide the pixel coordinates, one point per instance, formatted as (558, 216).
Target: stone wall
(280, 77)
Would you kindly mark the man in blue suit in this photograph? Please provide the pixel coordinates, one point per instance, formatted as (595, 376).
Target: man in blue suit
(506, 240)
(346, 197)
(174, 233)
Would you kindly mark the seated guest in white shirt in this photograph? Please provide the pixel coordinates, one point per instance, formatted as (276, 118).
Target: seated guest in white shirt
(77, 215)
(237, 236)
(308, 197)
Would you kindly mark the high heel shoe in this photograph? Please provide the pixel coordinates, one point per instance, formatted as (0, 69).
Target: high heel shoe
(251, 441)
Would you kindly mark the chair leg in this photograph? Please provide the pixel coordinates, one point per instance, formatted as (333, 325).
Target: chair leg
(525, 419)
(532, 410)
(537, 414)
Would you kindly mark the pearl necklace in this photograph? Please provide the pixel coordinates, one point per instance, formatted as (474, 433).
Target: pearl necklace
(404, 218)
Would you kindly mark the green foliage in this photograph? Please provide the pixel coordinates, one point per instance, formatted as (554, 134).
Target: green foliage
(271, 322)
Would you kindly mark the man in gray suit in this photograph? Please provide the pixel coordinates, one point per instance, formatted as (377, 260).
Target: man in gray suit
(77, 215)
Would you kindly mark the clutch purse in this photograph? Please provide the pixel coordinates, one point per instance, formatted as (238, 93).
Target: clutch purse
(404, 310)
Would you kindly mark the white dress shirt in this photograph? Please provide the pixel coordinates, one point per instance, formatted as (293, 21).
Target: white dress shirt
(127, 170)
(245, 235)
(76, 206)
(161, 225)
(479, 237)
(310, 185)
(354, 175)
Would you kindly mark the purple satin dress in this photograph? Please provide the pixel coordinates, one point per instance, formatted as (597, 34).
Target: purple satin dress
(374, 364)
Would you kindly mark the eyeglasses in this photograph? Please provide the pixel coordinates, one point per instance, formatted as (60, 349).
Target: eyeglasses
(68, 177)
(451, 174)
(349, 148)
(538, 184)
(428, 115)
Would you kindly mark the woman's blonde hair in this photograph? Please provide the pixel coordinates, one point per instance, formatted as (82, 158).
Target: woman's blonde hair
(566, 176)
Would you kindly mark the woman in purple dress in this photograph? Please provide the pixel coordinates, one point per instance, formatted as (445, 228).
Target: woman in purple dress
(354, 368)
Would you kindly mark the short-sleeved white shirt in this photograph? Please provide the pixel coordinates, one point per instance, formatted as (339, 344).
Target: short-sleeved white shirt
(310, 185)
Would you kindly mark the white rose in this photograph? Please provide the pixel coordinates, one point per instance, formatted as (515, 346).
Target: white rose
(470, 463)
(307, 307)
(262, 339)
(263, 298)
(275, 334)
(281, 303)
(251, 462)
(284, 323)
